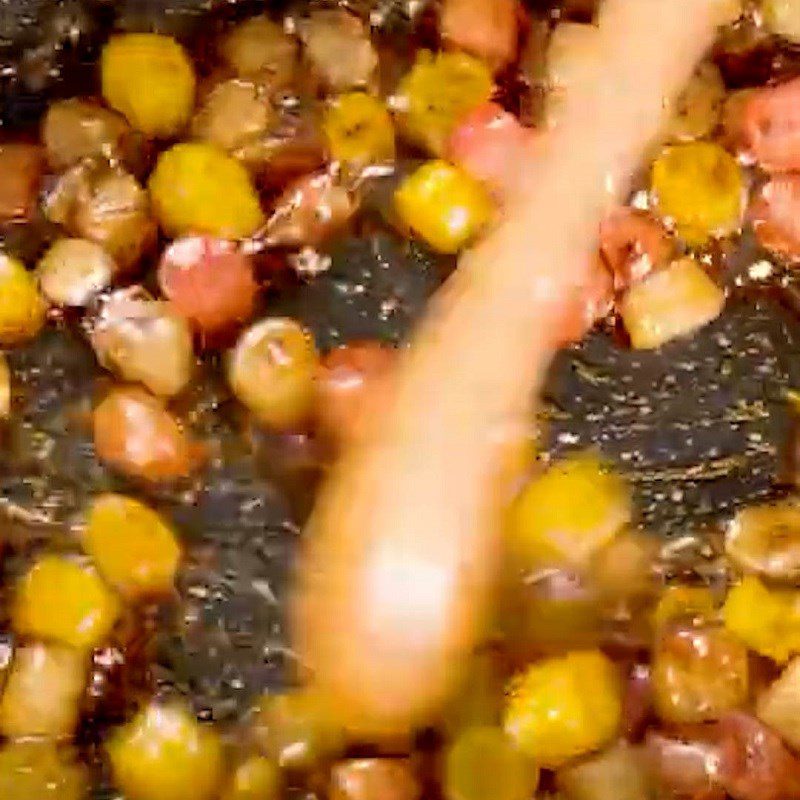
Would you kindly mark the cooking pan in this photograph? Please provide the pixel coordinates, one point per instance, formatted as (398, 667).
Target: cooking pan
(701, 426)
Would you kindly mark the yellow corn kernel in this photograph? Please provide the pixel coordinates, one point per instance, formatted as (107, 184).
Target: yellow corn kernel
(699, 186)
(43, 692)
(684, 602)
(272, 371)
(66, 602)
(256, 778)
(150, 79)
(163, 753)
(564, 516)
(671, 302)
(197, 188)
(437, 92)
(444, 205)
(22, 308)
(765, 540)
(33, 769)
(359, 130)
(782, 17)
(132, 546)
(766, 620)
(561, 708)
(297, 730)
(483, 763)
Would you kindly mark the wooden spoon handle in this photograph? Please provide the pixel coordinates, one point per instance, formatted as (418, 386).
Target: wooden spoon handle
(401, 550)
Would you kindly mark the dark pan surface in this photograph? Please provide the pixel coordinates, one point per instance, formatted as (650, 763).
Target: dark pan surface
(700, 426)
